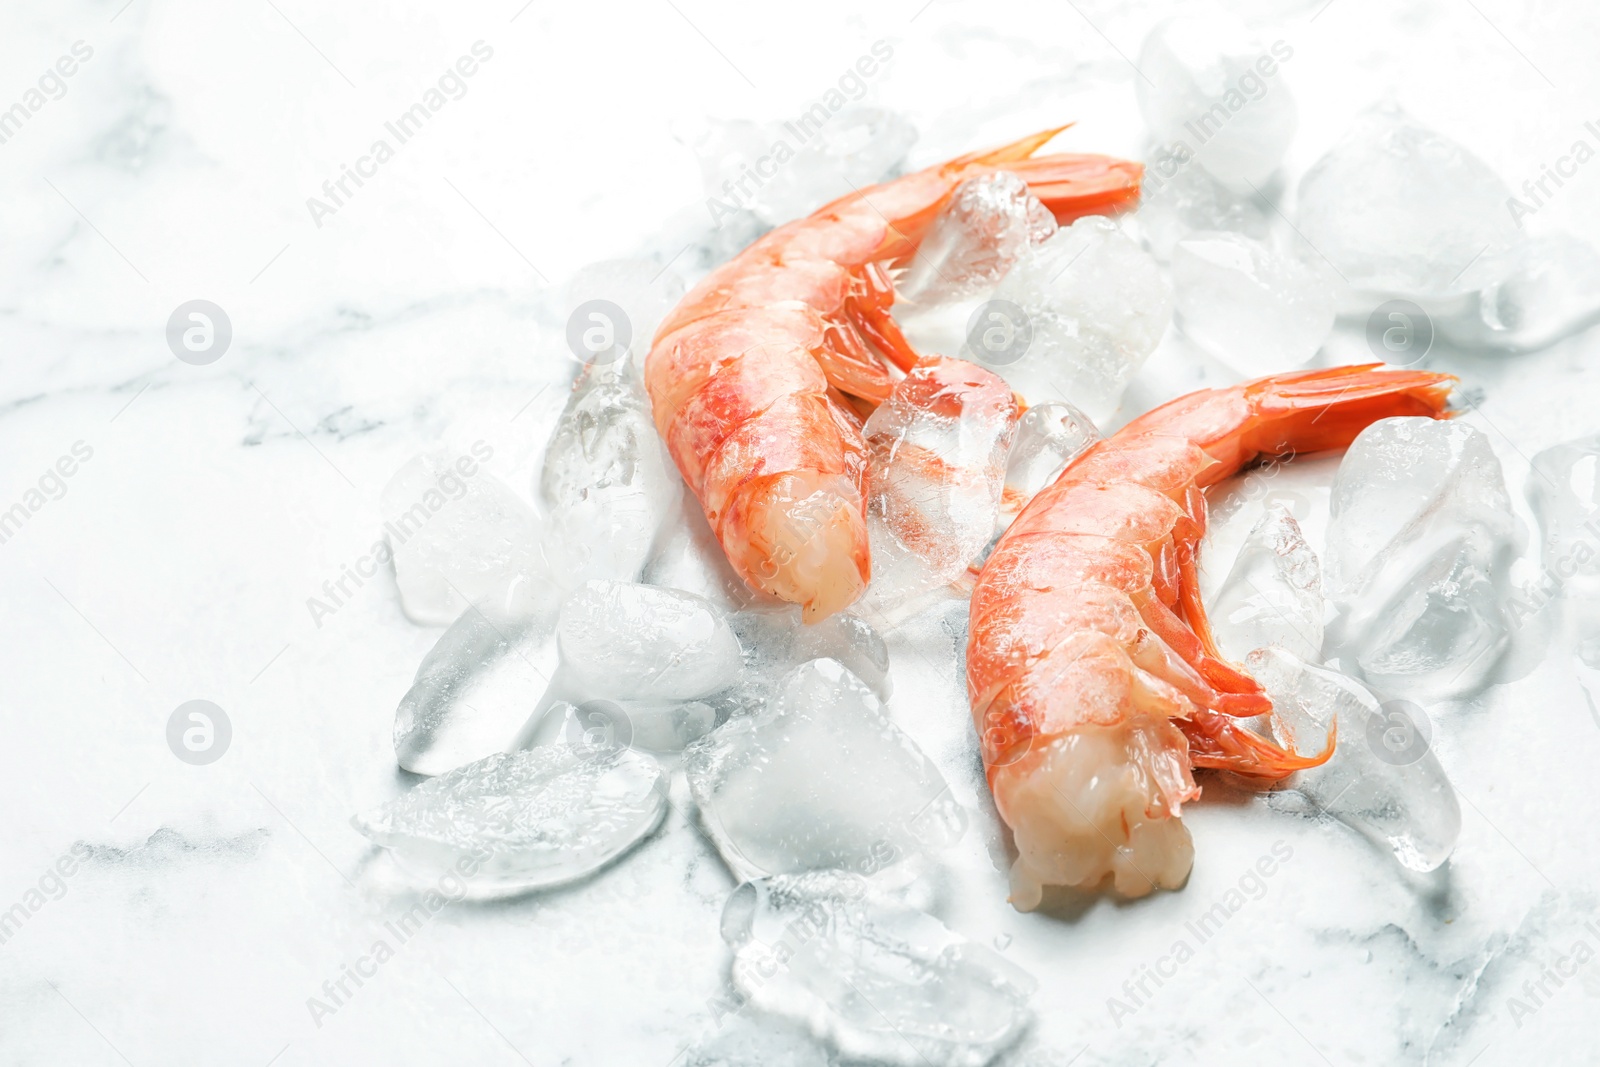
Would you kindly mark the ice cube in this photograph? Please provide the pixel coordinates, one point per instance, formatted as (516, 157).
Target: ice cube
(936, 455)
(776, 641)
(983, 230)
(523, 820)
(607, 484)
(1420, 544)
(656, 726)
(1211, 86)
(751, 1039)
(625, 641)
(473, 690)
(687, 557)
(459, 536)
(1273, 593)
(1253, 308)
(642, 290)
(1565, 494)
(1399, 208)
(1049, 436)
(821, 777)
(1383, 778)
(1543, 290)
(1075, 319)
(1179, 197)
(876, 979)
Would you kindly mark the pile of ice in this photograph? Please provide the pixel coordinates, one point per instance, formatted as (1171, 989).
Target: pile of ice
(1565, 493)
(1211, 91)
(637, 661)
(1383, 778)
(936, 466)
(878, 980)
(513, 822)
(1419, 553)
(821, 778)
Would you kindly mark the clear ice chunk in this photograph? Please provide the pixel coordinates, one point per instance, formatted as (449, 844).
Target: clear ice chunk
(878, 980)
(980, 234)
(1093, 306)
(607, 485)
(1542, 291)
(1273, 593)
(1251, 307)
(1049, 437)
(1420, 544)
(1179, 197)
(473, 690)
(644, 290)
(776, 641)
(516, 821)
(459, 536)
(1211, 86)
(1399, 208)
(936, 459)
(625, 641)
(1383, 778)
(657, 726)
(819, 778)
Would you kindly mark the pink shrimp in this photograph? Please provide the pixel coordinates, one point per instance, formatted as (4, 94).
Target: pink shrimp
(1093, 677)
(758, 379)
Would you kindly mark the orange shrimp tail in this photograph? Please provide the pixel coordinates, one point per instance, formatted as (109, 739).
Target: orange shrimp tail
(1222, 744)
(1325, 409)
(1070, 185)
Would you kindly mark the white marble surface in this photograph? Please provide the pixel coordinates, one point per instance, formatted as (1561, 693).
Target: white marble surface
(212, 901)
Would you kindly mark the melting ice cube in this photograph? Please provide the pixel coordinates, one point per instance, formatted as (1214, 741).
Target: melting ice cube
(1397, 207)
(459, 535)
(1211, 86)
(1419, 550)
(607, 484)
(473, 689)
(1255, 309)
(988, 224)
(876, 979)
(523, 820)
(1383, 779)
(1075, 319)
(1273, 594)
(936, 467)
(821, 777)
(1565, 494)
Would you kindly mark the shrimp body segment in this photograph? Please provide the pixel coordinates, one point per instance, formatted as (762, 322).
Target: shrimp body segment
(759, 378)
(1095, 685)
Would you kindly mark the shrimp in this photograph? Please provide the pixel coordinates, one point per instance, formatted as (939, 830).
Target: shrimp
(1094, 680)
(760, 377)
